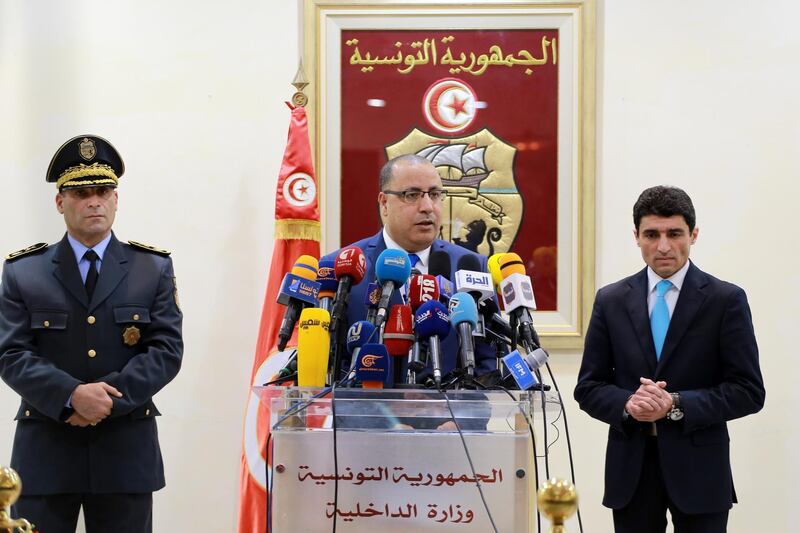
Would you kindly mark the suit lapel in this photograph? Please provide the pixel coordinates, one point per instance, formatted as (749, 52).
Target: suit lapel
(636, 303)
(66, 272)
(690, 299)
(114, 269)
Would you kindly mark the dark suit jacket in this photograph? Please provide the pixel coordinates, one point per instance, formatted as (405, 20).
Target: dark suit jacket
(709, 356)
(485, 359)
(47, 328)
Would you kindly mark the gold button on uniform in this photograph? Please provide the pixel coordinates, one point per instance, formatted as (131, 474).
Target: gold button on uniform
(27, 413)
(46, 323)
(90, 319)
(147, 412)
(92, 353)
(136, 317)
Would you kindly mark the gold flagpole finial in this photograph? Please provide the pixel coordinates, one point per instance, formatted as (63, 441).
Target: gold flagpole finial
(10, 488)
(300, 82)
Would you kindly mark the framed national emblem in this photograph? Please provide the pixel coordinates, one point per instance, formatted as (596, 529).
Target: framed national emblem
(499, 97)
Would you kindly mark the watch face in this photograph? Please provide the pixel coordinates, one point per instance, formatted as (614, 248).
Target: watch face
(675, 414)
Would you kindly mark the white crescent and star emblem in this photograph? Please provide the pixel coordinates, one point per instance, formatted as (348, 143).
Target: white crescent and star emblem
(449, 105)
(299, 189)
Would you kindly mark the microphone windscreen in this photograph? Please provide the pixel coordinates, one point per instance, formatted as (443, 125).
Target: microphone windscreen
(313, 343)
(432, 319)
(350, 262)
(306, 267)
(439, 264)
(511, 264)
(372, 367)
(393, 265)
(494, 268)
(422, 288)
(359, 334)
(398, 335)
(463, 309)
(469, 262)
(326, 277)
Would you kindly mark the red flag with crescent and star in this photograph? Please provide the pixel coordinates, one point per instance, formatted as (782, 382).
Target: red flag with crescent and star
(297, 232)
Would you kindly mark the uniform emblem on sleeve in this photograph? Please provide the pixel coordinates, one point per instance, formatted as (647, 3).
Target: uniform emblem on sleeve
(131, 335)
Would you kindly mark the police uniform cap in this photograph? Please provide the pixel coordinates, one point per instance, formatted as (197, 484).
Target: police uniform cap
(85, 161)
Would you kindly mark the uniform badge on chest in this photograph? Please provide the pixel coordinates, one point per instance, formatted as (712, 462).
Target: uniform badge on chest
(131, 335)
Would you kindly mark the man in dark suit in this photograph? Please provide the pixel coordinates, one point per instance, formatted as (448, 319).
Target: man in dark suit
(670, 356)
(90, 330)
(410, 203)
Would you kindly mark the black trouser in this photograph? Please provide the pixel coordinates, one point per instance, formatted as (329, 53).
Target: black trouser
(102, 513)
(647, 511)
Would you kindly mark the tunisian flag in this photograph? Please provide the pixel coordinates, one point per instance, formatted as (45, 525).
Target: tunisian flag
(297, 232)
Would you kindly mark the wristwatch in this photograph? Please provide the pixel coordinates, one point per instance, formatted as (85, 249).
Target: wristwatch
(676, 413)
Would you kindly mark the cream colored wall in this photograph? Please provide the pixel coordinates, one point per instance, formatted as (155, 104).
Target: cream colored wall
(696, 94)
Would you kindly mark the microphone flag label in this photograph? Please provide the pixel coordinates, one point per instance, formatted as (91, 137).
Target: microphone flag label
(519, 369)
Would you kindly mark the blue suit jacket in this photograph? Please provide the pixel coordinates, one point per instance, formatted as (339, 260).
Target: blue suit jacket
(709, 356)
(48, 326)
(485, 360)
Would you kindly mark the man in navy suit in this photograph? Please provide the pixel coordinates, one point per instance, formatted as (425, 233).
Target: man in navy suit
(410, 202)
(90, 330)
(666, 364)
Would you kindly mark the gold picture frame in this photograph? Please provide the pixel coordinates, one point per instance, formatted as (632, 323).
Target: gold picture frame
(324, 21)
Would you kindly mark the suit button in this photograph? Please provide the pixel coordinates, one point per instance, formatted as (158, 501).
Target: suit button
(46, 323)
(136, 317)
(147, 412)
(27, 413)
(90, 319)
(92, 353)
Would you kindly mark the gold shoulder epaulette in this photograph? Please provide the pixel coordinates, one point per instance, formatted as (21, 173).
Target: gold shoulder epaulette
(149, 248)
(38, 247)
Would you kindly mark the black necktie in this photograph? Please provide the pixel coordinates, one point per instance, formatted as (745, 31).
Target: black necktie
(91, 276)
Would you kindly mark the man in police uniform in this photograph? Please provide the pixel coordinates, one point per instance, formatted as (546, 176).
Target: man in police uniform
(90, 330)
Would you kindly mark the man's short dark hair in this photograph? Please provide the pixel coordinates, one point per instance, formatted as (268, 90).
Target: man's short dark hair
(387, 170)
(664, 201)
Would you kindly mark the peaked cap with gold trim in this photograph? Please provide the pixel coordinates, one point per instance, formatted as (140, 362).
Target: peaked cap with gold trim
(85, 161)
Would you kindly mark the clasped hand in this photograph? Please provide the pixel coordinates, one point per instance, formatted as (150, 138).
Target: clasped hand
(650, 402)
(92, 403)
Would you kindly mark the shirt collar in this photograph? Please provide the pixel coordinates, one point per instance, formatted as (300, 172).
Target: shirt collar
(676, 279)
(78, 248)
(422, 254)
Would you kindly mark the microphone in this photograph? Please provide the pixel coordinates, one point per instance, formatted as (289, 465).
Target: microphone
(523, 368)
(432, 322)
(349, 268)
(495, 323)
(372, 296)
(392, 270)
(439, 266)
(299, 288)
(494, 269)
(326, 277)
(418, 295)
(312, 347)
(517, 294)
(372, 367)
(464, 317)
(422, 288)
(472, 280)
(358, 334)
(398, 336)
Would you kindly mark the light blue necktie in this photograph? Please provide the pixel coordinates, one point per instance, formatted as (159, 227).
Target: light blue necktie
(659, 320)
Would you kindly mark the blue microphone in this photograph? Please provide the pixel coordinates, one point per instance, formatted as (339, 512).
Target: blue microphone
(464, 317)
(372, 296)
(432, 323)
(372, 367)
(326, 277)
(358, 335)
(392, 270)
(439, 266)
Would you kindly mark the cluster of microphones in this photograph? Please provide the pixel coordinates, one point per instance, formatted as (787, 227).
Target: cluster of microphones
(408, 337)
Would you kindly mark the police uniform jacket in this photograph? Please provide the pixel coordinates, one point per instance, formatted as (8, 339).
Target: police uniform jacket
(53, 338)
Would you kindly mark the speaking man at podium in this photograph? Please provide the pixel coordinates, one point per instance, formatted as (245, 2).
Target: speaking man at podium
(90, 330)
(410, 202)
(670, 356)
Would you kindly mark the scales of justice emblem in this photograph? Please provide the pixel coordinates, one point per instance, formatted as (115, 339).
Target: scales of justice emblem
(483, 209)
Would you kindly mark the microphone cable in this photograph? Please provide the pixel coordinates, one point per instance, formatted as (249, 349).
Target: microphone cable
(469, 459)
